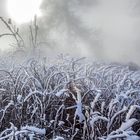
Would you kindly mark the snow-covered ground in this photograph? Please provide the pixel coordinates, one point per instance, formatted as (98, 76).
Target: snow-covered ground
(70, 98)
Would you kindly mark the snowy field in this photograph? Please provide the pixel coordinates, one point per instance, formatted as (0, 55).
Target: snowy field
(69, 99)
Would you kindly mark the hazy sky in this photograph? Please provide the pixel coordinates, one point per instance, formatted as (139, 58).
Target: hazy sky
(4, 42)
(107, 29)
(3, 11)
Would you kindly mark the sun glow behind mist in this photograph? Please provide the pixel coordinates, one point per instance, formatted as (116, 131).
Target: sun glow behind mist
(22, 11)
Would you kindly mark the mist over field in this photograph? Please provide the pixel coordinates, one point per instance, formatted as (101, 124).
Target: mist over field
(103, 30)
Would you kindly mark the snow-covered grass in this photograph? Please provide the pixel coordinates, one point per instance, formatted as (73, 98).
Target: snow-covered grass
(69, 99)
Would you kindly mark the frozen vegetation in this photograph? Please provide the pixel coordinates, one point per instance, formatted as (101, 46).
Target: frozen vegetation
(69, 99)
(65, 98)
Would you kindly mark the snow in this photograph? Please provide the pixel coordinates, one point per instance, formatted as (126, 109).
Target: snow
(19, 97)
(61, 123)
(130, 112)
(96, 118)
(128, 124)
(78, 112)
(59, 138)
(34, 129)
(133, 137)
(58, 94)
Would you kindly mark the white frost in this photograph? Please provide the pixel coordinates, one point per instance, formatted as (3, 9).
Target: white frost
(58, 138)
(34, 129)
